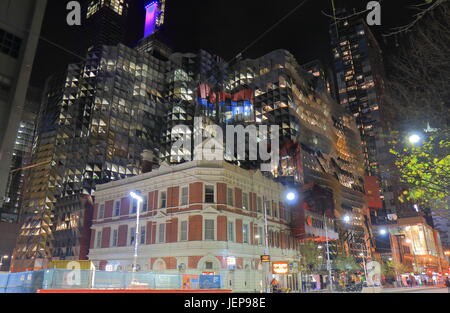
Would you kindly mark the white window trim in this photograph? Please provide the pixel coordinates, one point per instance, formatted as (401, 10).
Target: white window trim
(160, 199)
(204, 193)
(111, 242)
(187, 230)
(234, 230)
(120, 207)
(181, 195)
(232, 197)
(158, 233)
(99, 211)
(214, 219)
(248, 233)
(99, 239)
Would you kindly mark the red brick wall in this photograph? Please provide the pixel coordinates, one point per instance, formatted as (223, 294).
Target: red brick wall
(155, 200)
(125, 206)
(195, 228)
(171, 263)
(193, 261)
(196, 193)
(92, 245)
(253, 201)
(221, 193)
(240, 263)
(238, 198)
(172, 231)
(106, 235)
(109, 208)
(222, 228)
(102, 265)
(173, 196)
(123, 235)
(151, 205)
(239, 231)
(223, 262)
(151, 233)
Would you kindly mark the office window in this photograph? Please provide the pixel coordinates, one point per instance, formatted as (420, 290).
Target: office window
(132, 235)
(245, 233)
(142, 235)
(117, 208)
(162, 233)
(184, 231)
(209, 229)
(9, 44)
(245, 201)
(101, 211)
(185, 196)
(269, 208)
(259, 206)
(231, 231)
(99, 240)
(163, 199)
(209, 194)
(115, 236)
(230, 197)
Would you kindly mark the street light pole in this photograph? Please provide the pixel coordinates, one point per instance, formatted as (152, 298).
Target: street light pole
(140, 202)
(266, 248)
(328, 253)
(1, 260)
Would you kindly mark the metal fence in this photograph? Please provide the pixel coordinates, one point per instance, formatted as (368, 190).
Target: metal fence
(30, 282)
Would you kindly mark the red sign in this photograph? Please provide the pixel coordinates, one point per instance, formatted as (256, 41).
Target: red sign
(209, 273)
(280, 267)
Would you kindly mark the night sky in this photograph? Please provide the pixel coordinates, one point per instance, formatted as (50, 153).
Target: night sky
(222, 27)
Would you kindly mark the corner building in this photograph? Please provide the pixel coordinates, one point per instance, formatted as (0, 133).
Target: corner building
(199, 216)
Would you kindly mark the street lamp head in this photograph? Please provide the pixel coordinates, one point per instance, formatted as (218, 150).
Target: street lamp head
(6, 256)
(383, 231)
(347, 218)
(291, 195)
(414, 138)
(136, 196)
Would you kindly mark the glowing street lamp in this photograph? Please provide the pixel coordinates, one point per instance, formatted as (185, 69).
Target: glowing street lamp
(140, 201)
(347, 218)
(414, 138)
(291, 196)
(383, 231)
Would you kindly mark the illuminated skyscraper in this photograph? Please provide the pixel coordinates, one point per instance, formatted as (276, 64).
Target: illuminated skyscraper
(105, 23)
(360, 89)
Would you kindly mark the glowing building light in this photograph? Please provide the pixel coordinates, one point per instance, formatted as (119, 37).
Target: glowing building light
(151, 18)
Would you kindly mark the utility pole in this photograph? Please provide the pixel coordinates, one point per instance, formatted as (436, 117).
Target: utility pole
(328, 253)
(266, 249)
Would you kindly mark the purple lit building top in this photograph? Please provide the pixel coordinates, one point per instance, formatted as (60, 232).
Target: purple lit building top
(151, 18)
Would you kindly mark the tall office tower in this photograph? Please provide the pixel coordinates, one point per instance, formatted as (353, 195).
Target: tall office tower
(359, 75)
(20, 25)
(21, 159)
(93, 129)
(105, 23)
(324, 76)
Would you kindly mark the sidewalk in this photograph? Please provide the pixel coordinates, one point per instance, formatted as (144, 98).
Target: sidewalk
(408, 289)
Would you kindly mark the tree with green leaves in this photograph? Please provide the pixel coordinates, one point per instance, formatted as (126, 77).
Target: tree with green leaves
(311, 258)
(424, 168)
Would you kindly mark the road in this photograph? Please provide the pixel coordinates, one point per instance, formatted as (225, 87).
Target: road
(416, 290)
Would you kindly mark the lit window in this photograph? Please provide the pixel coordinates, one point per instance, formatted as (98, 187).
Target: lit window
(101, 211)
(184, 231)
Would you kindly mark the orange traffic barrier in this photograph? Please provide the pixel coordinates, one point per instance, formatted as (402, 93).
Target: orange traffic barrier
(134, 291)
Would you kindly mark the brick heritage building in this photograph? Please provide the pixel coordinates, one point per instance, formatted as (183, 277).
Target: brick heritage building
(200, 216)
